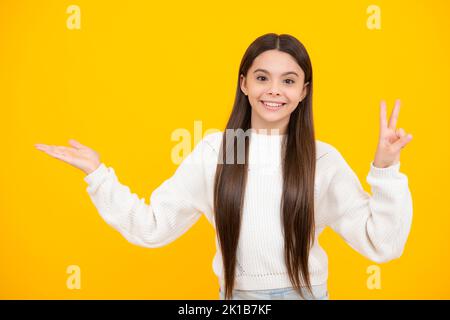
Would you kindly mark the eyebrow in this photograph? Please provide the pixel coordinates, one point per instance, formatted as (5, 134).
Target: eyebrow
(286, 73)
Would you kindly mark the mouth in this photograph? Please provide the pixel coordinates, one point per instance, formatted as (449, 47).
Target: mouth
(272, 106)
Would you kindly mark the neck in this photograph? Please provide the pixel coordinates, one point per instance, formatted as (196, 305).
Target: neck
(268, 131)
(275, 128)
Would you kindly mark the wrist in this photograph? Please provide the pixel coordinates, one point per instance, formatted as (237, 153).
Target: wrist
(383, 165)
(92, 168)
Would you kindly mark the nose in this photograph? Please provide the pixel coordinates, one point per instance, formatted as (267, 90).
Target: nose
(274, 90)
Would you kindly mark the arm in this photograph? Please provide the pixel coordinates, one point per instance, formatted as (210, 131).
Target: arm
(376, 226)
(174, 206)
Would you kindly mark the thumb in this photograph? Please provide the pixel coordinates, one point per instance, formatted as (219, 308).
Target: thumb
(76, 144)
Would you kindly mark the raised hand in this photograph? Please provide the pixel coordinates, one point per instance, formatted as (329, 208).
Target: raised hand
(80, 156)
(391, 140)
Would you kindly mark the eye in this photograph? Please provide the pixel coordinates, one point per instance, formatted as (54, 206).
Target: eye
(292, 81)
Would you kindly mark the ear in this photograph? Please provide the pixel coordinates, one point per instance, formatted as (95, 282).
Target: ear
(305, 91)
(243, 84)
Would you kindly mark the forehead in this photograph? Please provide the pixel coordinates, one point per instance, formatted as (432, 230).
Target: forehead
(276, 62)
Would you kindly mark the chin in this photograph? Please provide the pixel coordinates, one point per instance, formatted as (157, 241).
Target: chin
(271, 116)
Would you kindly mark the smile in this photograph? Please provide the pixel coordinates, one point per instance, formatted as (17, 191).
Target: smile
(272, 106)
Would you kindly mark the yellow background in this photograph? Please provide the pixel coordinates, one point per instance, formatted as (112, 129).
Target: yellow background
(138, 70)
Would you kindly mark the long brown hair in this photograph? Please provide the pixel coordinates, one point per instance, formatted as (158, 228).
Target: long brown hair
(298, 167)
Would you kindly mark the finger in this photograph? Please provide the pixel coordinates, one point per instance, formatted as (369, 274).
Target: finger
(394, 115)
(61, 152)
(67, 150)
(400, 133)
(55, 152)
(52, 150)
(383, 115)
(63, 157)
(403, 141)
(42, 147)
(74, 143)
(60, 156)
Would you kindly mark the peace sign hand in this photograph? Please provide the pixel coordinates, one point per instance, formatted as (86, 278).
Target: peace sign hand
(80, 156)
(391, 140)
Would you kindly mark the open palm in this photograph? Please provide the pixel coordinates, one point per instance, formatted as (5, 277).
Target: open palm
(79, 156)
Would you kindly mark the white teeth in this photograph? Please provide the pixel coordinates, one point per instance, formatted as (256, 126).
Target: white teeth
(273, 104)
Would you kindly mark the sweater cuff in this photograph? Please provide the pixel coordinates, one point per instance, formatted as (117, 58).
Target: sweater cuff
(96, 174)
(387, 172)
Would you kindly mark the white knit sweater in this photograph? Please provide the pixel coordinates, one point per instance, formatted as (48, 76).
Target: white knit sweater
(376, 226)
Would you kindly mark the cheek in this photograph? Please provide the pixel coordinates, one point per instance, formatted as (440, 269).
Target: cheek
(294, 103)
(294, 95)
(256, 104)
(292, 108)
(256, 92)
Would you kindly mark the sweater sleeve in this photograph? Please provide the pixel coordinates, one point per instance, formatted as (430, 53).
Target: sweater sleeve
(377, 226)
(174, 206)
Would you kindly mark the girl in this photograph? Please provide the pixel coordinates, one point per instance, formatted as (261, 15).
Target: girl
(270, 200)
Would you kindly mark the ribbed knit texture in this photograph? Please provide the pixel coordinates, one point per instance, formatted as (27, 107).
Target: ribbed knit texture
(377, 226)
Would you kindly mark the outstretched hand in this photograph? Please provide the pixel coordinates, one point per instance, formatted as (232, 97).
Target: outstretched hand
(391, 140)
(79, 156)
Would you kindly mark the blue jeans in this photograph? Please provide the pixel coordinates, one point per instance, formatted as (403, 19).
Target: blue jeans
(320, 293)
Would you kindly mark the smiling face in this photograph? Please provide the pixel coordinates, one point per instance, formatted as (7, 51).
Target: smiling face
(273, 77)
